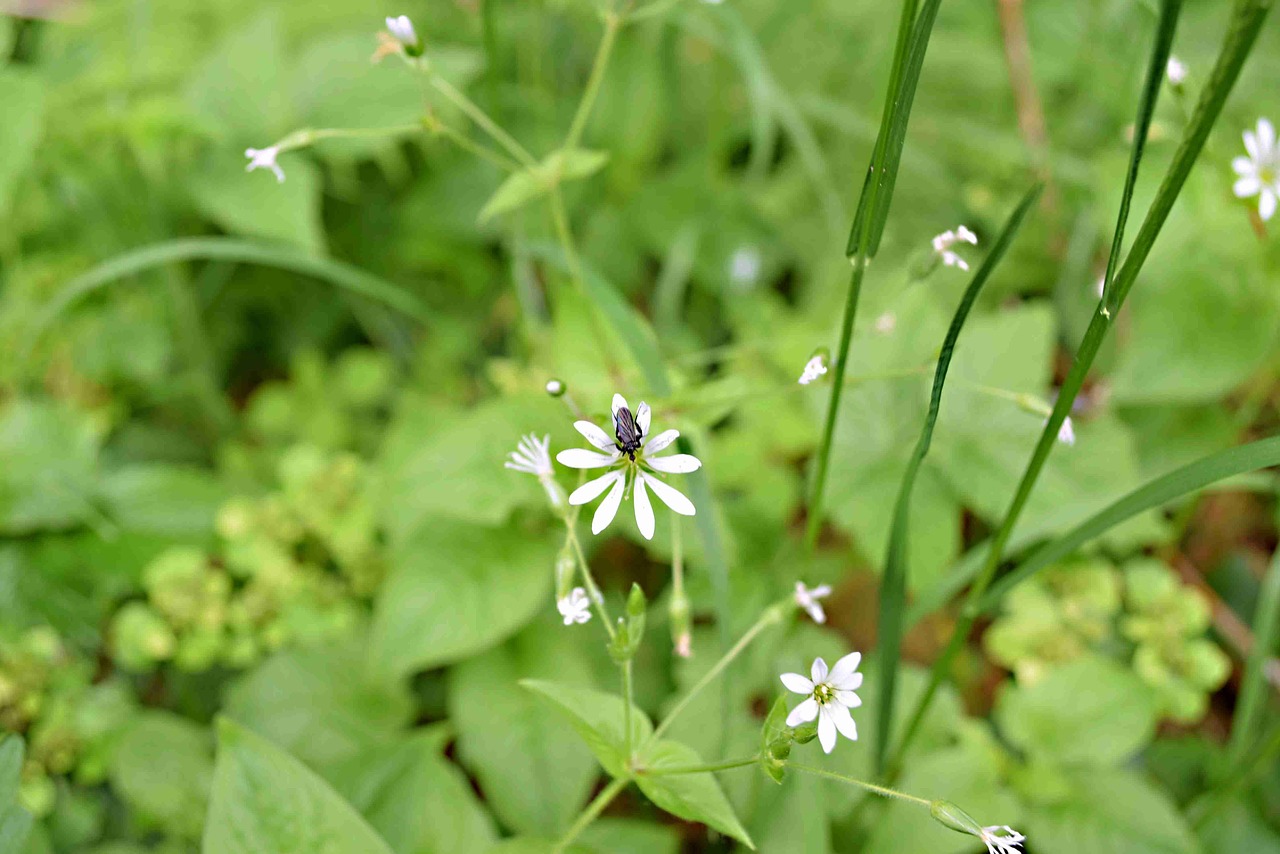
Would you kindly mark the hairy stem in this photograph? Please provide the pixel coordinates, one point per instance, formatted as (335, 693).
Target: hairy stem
(882, 791)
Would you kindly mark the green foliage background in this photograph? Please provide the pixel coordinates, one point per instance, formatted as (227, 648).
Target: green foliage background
(265, 585)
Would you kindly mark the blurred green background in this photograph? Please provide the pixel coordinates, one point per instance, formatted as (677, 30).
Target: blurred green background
(236, 477)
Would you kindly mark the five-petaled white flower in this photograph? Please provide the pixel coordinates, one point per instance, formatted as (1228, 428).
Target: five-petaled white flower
(1067, 432)
(533, 456)
(575, 608)
(829, 698)
(630, 458)
(265, 158)
(1176, 71)
(1260, 171)
(808, 599)
(943, 242)
(401, 28)
(1001, 839)
(813, 370)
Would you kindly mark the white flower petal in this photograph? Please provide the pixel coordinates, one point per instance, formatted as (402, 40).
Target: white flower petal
(669, 496)
(1247, 186)
(593, 434)
(845, 668)
(644, 510)
(580, 458)
(592, 488)
(1251, 146)
(661, 441)
(803, 713)
(797, 683)
(609, 507)
(619, 402)
(643, 417)
(674, 464)
(1244, 166)
(819, 670)
(1267, 203)
(843, 721)
(847, 698)
(826, 730)
(1266, 136)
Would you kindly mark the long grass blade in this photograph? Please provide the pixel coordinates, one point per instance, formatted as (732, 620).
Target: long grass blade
(893, 591)
(1252, 701)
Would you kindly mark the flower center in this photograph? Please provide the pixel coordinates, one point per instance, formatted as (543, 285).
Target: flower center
(822, 693)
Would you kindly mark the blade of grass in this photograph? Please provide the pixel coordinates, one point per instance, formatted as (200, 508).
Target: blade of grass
(1246, 22)
(1253, 688)
(893, 591)
(349, 278)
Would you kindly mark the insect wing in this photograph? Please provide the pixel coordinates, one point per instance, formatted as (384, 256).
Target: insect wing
(625, 428)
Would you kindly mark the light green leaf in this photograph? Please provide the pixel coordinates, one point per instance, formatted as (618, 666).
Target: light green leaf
(792, 818)
(534, 771)
(598, 718)
(265, 800)
(254, 203)
(528, 184)
(694, 797)
(1087, 712)
(457, 589)
(163, 768)
(416, 799)
(239, 91)
(24, 101)
(629, 836)
(15, 822)
(163, 499)
(48, 476)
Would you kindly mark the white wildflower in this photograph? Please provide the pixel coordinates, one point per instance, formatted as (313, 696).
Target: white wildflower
(744, 266)
(575, 608)
(813, 370)
(1101, 287)
(808, 599)
(1067, 432)
(886, 323)
(1260, 171)
(629, 456)
(829, 698)
(533, 456)
(401, 28)
(1002, 839)
(265, 158)
(1176, 71)
(943, 242)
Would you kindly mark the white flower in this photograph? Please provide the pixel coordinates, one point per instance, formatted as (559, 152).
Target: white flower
(813, 369)
(575, 608)
(265, 158)
(1260, 171)
(744, 266)
(1067, 432)
(943, 242)
(1176, 71)
(808, 599)
(830, 697)
(1101, 287)
(1001, 839)
(631, 463)
(886, 323)
(533, 456)
(402, 29)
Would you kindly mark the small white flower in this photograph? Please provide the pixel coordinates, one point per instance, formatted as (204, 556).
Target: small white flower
(533, 456)
(265, 158)
(1001, 839)
(1176, 71)
(402, 29)
(632, 464)
(829, 698)
(813, 369)
(1101, 287)
(1067, 432)
(886, 323)
(808, 599)
(744, 266)
(943, 242)
(1260, 171)
(575, 608)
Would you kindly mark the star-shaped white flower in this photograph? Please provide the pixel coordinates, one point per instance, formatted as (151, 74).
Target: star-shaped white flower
(575, 608)
(402, 29)
(265, 158)
(814, 369)
(629, 456)
(943, 242)
(1260, 171)
(1002, 839)
(808, 599)
(829, 698)
(533, 456)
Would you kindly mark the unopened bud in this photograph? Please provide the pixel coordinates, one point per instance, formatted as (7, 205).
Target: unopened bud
(955, 818)
(681, 625)
(566, 569)
(555, 388)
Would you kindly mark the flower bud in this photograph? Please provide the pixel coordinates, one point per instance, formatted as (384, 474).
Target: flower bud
(556, 388)
(681, 625)
(566, 569)
(952, 816)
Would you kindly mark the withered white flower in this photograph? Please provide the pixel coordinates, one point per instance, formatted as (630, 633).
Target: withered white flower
(1260, 171)
(629, 456)
(943, 242)
(808, 599)
(830, 696)
(265, 158)
(575, 608)
(533, 456)
(814, 369)
(1002, 839)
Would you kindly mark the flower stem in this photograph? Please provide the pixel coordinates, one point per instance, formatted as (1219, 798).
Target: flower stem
(467, 144)
(591, 813)
(612, 22)
(481, 118)
(626, 707)
(588, 580)
(882, 791)
(698, 769)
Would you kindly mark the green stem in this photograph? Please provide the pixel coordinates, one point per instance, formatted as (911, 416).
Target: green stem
(699, 769)
(612, 23)
(467, 144)
(626, 708)
(588, 580)
(1253, 691)
(591, 813)
(481, 118)
(1205, 809)
(882, 791)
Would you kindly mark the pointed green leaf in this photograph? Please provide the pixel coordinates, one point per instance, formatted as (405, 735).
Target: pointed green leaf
(598, 717)
(528, 184)
(694, 797)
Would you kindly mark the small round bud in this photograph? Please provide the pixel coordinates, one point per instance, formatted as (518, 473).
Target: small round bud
(556, 388)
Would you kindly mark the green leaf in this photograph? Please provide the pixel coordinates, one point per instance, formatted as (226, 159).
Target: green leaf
(528, 184)
(1108, 812)
(457, 589)
(511, 742)
(255, 204)
(48, 479)
(693, 797)
(1088, 712)
(1247, 725)
(792, 818)
(163, 769)
(23, 96)
(414, 798)
(163, 499)
(598, 718)
(15, 822)
(265, 800)
(239, 90)
(629, 836)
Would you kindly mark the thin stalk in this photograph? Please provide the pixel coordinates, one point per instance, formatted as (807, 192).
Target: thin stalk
(466, 143)
(588, 580)
(481, 118)
(1253, 689)
(698, 769)
(1255, 763)
(626, 707)
(882, 791)
(591, 813)
(612, 23)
